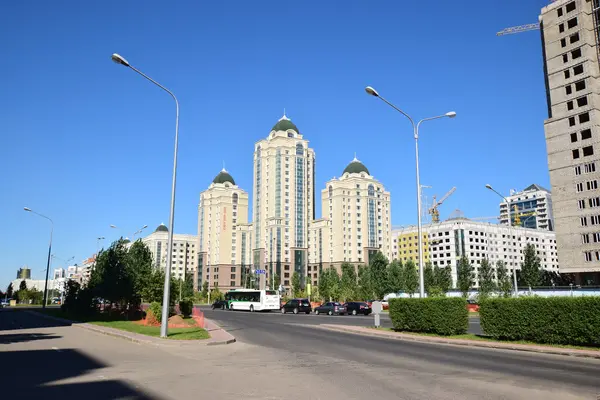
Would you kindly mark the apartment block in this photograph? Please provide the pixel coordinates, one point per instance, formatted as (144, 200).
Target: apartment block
(529, 208)
(570, 49)
(184, 251)
(449, 240)
(223, 248)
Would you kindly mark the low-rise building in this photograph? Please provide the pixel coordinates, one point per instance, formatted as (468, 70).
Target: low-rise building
(449, 240)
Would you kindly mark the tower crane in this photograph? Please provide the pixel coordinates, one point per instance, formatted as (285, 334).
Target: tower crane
(520, 28)
(433, 210)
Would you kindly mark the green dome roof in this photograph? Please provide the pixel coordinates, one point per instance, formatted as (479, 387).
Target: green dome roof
(356, 167)
(284, 124)
(224, 177)
(162, 228)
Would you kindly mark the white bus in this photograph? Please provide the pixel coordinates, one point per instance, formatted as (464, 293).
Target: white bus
(253, 300)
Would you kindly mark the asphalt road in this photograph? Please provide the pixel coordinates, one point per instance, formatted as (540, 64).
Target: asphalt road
(355, 320)
(418, 370)
(276, 357)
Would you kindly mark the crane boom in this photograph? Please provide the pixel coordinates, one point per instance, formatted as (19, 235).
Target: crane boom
(518, 29)
(433, 210)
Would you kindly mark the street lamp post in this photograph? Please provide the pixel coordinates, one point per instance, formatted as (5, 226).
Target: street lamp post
(49, 252)
(139, 231)
(165, 309)
(416, 126)
(510, 225)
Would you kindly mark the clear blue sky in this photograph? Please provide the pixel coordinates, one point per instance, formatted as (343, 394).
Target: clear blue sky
(89, 143)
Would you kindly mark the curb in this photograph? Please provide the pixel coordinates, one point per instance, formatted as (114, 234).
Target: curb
(141, 339)
(463, 342)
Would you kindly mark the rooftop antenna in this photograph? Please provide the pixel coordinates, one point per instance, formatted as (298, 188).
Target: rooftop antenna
(224, 165)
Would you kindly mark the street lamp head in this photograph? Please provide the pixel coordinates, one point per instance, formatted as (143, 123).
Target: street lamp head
(371, 91)
(144, 227)
(451, 114)
(113, 226)
(119, 60)
(488, 186)
(27, 209)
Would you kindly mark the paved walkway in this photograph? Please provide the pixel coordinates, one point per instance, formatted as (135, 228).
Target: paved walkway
(464, 342)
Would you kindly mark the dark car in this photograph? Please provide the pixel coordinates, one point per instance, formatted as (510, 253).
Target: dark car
(222, 304)
(297, 305)
(331, 308)
(358, 307)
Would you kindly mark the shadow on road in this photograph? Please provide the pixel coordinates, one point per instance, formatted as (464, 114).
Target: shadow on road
(35, 374)
(11, 319)
(25, 337)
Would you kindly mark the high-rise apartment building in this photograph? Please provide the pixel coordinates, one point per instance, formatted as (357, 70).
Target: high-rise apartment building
(570, 40)
(356, 221)
(529, 208)
(284, 202)
(449, 240)
(222, 248)
(184, 251)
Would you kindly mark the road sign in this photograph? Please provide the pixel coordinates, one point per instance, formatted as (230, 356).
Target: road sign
(261, 271)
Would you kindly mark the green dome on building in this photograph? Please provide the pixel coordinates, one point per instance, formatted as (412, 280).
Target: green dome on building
(162, 228)
(224, 177)
(285, 124)
(356, 167)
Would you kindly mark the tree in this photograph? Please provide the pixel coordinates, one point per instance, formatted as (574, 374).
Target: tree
(411, 277)
(204, 292)
(530, 268)
(395, 277)
(443, 277)
(139, 264)
(465, 275)
(365, 288)
(324, 285)
(487, 285)
(378, 269)
(112, 279)
(429, 279)
(334, 284)
(277, 280)
(348, 282)
(503, 279)
(23, 285)
(296, 288)
(9, 291)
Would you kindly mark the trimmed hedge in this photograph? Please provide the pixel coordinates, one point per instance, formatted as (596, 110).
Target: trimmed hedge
(553, 320)
(156, 310)
(443, 316)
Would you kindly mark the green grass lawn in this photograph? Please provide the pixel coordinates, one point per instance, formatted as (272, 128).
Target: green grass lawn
(470, 336)
(191, 333)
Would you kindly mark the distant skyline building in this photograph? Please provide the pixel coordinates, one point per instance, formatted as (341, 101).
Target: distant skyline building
(184, 251)
(570, 51)
(529, 208)
(284, 202)
(223, 250)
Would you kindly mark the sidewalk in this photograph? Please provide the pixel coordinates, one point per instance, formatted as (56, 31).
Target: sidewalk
(218, 336)
(361, 330)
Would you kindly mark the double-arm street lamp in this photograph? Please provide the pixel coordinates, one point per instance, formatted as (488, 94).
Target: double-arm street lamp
(165, 306)
(49, 251)
(488, 186)
(416, 126)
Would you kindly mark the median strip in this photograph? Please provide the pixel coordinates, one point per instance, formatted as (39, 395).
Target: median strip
(480, 342)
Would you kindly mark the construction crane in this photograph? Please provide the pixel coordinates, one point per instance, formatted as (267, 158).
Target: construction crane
(520, 28)
(519, 216)
(433, 210)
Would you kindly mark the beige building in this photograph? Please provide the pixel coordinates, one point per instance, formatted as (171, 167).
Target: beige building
(356, 221)
(570, 50)
(184, 251)
(222, 247)
(284, 203)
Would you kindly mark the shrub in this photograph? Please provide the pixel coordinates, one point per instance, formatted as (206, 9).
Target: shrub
(442, 315)
(154, 312)
(555, 320)
(185, 306)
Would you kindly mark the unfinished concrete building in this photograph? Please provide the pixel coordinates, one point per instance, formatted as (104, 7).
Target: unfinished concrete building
(570, 49)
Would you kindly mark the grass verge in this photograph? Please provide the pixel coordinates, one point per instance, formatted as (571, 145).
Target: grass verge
(191, 333)
(470, 336)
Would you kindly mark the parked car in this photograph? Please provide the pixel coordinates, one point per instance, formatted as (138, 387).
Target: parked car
(297, 305)
(358, 307)
(222, 304)
(331, 308)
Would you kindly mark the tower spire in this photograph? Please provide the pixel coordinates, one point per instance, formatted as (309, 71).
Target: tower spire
(223, 170)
